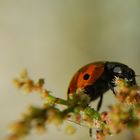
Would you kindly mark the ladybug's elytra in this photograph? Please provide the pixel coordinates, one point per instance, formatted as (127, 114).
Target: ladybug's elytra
(98, 77)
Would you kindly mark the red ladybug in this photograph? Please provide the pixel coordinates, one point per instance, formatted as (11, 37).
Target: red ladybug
(98, 77)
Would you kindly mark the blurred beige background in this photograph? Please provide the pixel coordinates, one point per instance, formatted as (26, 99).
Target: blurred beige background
(52, 39)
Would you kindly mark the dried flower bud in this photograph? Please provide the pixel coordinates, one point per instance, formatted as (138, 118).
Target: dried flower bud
(24, 75)
(70, 130)
(100, 135)
(17, 83)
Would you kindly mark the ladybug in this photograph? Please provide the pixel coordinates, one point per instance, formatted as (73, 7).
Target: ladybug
(98, 77)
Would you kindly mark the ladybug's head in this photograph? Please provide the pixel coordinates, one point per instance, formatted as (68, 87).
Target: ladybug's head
(120, 70)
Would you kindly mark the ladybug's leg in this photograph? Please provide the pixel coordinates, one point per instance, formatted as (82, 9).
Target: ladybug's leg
(90, 132)
(100, 102)
(112, 88)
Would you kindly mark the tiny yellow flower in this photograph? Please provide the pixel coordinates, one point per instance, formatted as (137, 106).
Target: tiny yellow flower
(70, 130)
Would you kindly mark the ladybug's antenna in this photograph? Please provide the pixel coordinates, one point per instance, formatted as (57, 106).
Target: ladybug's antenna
(137, 75)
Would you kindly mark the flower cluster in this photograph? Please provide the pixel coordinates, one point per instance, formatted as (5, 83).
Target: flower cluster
(125, 114)
(126, 93)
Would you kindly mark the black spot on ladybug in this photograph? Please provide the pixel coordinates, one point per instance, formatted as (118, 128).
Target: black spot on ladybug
(86, 76)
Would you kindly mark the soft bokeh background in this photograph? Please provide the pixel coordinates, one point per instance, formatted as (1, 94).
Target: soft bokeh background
(52, 39)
